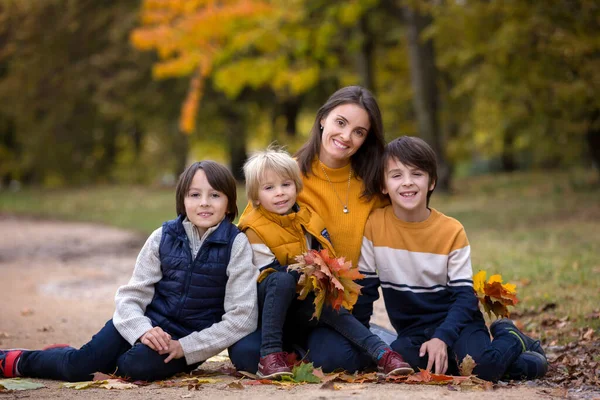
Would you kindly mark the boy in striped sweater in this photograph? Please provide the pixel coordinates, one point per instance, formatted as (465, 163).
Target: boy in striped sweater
(421, 259)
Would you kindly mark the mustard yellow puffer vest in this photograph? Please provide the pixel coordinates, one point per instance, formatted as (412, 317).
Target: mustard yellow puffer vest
(284, 234)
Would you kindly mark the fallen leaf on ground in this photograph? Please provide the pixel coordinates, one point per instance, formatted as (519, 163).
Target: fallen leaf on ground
(235, 385)
(117, 384)
(222, 356)
(99, 376)
(325, 377)
(304, 373)
(199, 381)
(588, 334)
(106, 384)
(466, 366)
(26, 312)
(19, 384)
(269, 382)
(330, 386)
(359, 378)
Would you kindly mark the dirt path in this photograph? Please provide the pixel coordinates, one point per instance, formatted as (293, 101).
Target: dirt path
(57, 282)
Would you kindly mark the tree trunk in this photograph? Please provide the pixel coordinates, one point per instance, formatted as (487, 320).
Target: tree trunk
(180, 150)
(424, 76)
(137, 136)
(365, 57)
(593, 139)
(291, 108)
(8, 143)
(236, 137)
(507, 158)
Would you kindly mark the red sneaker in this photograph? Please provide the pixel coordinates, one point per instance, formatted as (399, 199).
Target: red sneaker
(8, 362)
(273, 366)
(392, 363)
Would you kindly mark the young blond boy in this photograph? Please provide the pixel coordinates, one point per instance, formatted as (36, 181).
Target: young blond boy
(279, 229)
(421, 259)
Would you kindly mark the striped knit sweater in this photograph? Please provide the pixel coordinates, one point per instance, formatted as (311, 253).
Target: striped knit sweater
(424, 269)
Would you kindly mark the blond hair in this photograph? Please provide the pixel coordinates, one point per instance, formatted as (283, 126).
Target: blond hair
(272, 159)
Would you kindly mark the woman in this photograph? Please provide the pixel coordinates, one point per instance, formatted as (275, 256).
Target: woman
(340, 164)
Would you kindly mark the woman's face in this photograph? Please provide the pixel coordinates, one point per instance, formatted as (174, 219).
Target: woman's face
(345, 129)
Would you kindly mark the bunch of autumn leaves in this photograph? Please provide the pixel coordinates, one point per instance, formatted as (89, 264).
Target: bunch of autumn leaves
(332, 282)
(330, 279)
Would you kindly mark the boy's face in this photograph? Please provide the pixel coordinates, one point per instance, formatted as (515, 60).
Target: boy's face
(407, 187)
(276, 194)
(205, 207)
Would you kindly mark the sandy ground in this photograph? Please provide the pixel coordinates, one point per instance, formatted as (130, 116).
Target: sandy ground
(57, 282)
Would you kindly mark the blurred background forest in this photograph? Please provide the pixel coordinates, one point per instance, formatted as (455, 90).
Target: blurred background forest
(132, 91)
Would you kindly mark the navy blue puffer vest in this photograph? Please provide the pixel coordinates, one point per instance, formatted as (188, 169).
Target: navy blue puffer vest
(190, 295)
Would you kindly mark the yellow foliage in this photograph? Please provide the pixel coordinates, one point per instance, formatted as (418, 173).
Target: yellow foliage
(191, 35)
(493, 295)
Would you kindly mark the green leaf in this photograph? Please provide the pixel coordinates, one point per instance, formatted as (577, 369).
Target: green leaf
(19, 384)
(304, 373)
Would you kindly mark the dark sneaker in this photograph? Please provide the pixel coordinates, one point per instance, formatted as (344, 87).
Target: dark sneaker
(529, 365)
(392, 363)
(273, 366)
(529, 344)
(8, 363)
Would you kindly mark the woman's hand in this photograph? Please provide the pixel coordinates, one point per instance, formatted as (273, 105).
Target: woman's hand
(438, 355)
(157, 339)
(175, 351)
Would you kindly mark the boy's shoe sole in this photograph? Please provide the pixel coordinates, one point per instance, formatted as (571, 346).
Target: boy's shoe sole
(529, 343)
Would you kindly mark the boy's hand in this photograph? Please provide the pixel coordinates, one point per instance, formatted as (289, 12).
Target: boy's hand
(156, 339)
(174, 351)
(438, 355)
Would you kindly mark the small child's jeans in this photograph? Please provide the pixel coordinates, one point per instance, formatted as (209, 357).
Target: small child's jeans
(107, 352)
(276, 296)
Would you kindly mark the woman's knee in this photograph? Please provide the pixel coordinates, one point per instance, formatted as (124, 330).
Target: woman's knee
(330, 351)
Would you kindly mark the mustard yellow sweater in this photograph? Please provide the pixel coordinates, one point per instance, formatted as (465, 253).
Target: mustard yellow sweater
(346, 230)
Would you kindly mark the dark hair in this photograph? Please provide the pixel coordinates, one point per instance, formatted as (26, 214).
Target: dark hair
(365, 162)
(218, 176)
(415, 152)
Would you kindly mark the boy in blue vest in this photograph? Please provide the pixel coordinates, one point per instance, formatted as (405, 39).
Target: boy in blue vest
(421, 259)
(192, 294)
(279, 229)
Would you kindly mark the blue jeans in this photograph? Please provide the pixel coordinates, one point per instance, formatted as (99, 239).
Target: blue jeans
(492, 357)
(107, 352)
(276, 297)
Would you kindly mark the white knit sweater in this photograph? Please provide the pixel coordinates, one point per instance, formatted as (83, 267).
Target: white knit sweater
(241, 306)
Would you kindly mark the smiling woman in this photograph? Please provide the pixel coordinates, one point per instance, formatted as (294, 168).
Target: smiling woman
(341, 175)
